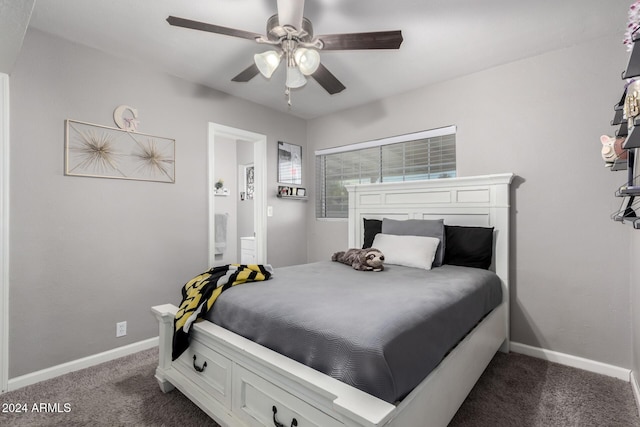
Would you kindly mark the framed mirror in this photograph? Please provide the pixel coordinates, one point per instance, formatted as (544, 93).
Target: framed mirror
(289, 163)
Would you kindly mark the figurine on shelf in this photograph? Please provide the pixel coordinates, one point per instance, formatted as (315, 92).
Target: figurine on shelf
(612, 149)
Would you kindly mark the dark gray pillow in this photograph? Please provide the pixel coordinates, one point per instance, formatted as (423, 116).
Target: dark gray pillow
(418, 227)
(371, 228)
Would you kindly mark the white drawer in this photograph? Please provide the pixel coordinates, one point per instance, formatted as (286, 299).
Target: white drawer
(209, 370)
(247, 257)
(248, 243)
(254, 399)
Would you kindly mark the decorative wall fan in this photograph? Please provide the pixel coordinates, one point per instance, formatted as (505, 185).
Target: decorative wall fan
(291, 37)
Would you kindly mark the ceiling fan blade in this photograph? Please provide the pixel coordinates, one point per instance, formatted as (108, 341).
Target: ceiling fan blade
(202, 26)
(355, 41)
(290, 13)
(327, 80)
(247, 74)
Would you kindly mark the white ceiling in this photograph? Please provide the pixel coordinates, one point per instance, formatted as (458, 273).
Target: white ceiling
(14, 18)
(442, 39)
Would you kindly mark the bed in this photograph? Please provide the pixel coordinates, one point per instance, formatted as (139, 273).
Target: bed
(240, 382)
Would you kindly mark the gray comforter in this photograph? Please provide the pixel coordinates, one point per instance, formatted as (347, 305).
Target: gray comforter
(381, 332)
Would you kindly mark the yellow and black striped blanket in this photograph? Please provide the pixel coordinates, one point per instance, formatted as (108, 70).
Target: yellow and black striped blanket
(199, 294)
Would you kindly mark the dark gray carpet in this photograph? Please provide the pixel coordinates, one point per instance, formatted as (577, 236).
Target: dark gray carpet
(515, 390)
(518, 390)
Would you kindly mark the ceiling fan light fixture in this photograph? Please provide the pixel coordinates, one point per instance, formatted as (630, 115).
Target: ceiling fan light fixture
(295, 78)
(308, 60)
(267, 62)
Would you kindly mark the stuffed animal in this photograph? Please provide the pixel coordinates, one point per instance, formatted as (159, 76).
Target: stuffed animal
(612, 149)
(369, 259)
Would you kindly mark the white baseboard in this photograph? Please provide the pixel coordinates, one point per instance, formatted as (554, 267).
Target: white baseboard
(573, 361)
(636, 389)
(75, 365)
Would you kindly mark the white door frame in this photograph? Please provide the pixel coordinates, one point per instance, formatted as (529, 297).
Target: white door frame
(260, 187)
(4, 232)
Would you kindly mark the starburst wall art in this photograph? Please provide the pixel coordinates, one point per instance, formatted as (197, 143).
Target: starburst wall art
(105, 152)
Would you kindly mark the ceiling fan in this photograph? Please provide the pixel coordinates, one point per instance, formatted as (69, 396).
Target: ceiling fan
(291, 37)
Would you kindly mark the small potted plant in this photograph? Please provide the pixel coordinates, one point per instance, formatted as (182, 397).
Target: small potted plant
(219, 186)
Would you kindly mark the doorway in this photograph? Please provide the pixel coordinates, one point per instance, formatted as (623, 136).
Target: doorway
(259, 187)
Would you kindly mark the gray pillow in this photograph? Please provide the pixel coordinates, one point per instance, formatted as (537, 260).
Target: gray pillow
(418, 227)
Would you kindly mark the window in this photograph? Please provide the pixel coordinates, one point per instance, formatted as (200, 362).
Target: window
(412, 157)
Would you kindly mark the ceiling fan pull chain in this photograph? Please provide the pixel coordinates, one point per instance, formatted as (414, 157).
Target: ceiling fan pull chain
(287, 93)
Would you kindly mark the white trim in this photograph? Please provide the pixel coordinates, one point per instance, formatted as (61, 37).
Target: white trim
(432, 133)
(4, 231)
(85, 362)
(260, 186)
(636, 389)
(573, 361)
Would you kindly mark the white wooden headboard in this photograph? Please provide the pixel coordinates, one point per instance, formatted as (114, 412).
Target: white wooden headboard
(472, 201)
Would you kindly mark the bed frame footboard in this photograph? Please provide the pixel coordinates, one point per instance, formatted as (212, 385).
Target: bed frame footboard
(165, 315)
(238, 382)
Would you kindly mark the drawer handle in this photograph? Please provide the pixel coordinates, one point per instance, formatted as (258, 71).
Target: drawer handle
(204, 365)
(294, 422)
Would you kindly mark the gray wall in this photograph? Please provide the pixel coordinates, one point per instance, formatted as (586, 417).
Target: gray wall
(86, 252)
(540, 118)
(635, 301)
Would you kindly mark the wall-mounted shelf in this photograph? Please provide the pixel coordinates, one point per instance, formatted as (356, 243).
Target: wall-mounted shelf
(295, 193)
(633, 137)
(628, 190)
(623, 130)
(618, 117)
(631, 132)
(633, 67)
(293, 197)
(635, 221)
(626, 213)
(619, 165)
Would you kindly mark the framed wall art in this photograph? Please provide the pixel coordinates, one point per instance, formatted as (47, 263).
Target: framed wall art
(289, 163)
(249, 181)
(105, 152)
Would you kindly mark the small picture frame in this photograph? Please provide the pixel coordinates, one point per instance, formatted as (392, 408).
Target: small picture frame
(301, 192)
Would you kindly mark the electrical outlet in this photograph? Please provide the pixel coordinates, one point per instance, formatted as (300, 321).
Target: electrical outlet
(121, 329)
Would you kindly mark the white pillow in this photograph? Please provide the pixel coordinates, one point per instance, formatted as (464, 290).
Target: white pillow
(410, 251)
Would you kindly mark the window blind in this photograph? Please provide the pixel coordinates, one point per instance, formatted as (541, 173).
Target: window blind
(409, 160)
